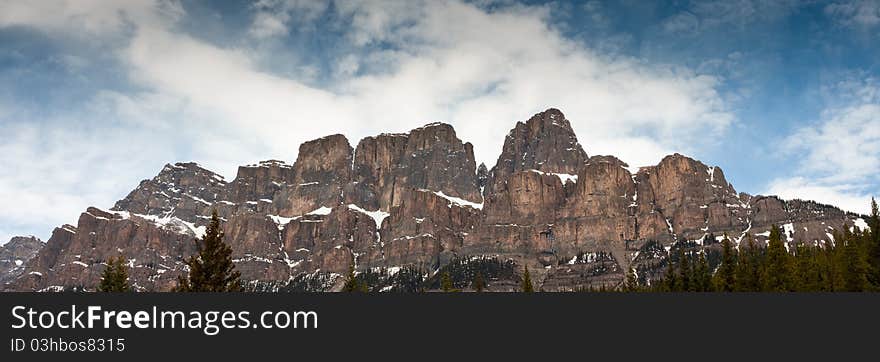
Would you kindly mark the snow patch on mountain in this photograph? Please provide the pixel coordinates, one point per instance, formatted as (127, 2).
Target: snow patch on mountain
(378, 216)
(563, 177)
(322, 211)
(861, 224)
(456, 200)
(168, 222)
(282, 221)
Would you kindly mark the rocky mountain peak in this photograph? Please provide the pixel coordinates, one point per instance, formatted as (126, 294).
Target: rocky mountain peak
(322, 169)
(187, 173)
(691, 197)
(20, 247)
(323, 158)
(258, 181)
(549, 117)
(430, 157)
(676, 169)
(546, 142)
(186, 193)
(15, 254)
(429, 135)
(269, 171)
(182, 188)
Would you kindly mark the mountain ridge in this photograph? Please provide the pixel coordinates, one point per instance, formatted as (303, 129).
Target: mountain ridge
(418, 199)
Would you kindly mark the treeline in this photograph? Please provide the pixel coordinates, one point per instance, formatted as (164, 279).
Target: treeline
(850, 263)
(460, 274)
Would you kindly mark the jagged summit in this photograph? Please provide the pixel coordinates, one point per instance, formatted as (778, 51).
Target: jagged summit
(181, 168)
(15, 254)
(546, 142)
(181, 188)
(418, 199)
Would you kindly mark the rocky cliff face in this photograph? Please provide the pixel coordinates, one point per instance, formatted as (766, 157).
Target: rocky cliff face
(419, 200)
(14, 254)
(431, 157)
(321, 171)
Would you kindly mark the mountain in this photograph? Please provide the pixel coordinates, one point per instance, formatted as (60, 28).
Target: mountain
(400, 206)
(14, 254)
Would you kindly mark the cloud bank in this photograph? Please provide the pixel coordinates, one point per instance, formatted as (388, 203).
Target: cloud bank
(840, 154)
(391, 66)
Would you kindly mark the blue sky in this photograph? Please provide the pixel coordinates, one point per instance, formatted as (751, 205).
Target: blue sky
(98, 95)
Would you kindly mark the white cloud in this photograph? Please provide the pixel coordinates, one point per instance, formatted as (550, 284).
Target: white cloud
(845, 147)
(847, 197)
(840, 154)
(447, 61)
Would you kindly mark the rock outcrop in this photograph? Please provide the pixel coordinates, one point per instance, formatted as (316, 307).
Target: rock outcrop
(430, 157)
(418, 199)
(76, 256)
(15, 253)
(183, 189)
(539, 158)
(321, 171)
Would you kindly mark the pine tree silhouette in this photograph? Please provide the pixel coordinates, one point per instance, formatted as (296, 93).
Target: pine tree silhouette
(211, 269)
(115, 276)
(777, 267)
(479, 284)
(725, 277)
(446, 282)
(527, 282)
(352, 284)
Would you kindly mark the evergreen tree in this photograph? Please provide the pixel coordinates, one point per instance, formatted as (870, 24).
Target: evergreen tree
(446, 282)
(807, 269)
(115, 276)
(835, 261)
(725, 277)
(702, 279)
(748, 267)
(631, 284)
(856, 268)
(823, 259)
(527, 281)
(670, 279)
(352, 284)
(684, 272)
(776, 273)
(874, 244)
(479, 284)
(211, 269)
